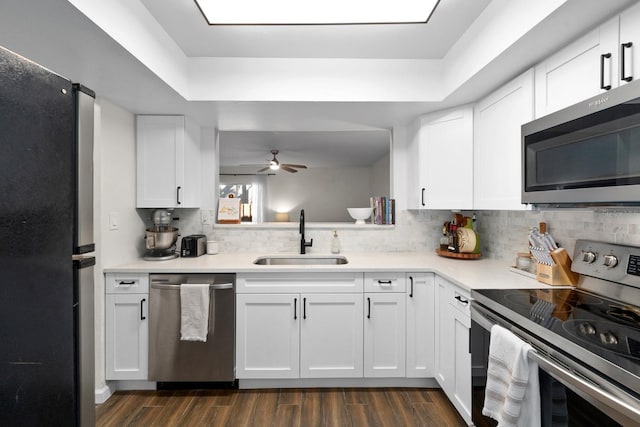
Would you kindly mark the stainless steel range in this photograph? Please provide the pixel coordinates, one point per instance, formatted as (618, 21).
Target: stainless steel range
(586, 339)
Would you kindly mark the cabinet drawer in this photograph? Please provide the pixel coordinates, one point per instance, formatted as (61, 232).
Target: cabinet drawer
(249, 283)
(461, 301)
(385, 282)
(127, 283)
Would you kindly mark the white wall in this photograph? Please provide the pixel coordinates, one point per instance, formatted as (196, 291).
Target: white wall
(380, 177)
(115, 183)
(321, 192)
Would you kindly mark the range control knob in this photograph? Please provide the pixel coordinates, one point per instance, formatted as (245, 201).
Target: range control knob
(610, 261)
(608, 338)
(589, 257)
(586, 329)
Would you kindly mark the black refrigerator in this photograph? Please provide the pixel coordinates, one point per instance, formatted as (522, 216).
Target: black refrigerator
(46, 247)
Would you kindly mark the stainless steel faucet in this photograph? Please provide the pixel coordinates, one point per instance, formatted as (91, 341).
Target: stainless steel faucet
(303, 243)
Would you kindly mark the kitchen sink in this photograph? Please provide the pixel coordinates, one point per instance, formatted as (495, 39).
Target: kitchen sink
(300, 260)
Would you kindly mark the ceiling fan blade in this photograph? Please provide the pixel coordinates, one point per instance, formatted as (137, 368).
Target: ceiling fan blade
(287, 168)
(264, 169)
(293, 166)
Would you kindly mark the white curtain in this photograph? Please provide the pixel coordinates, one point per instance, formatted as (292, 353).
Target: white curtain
(259, 197)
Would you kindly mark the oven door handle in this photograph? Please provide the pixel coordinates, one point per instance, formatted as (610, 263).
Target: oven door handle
(596, 395)
(612, 402)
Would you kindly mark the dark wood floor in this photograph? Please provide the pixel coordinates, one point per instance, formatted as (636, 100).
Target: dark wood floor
(393, 407)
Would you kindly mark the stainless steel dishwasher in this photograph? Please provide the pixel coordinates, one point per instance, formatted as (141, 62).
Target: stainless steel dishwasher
(173, 360)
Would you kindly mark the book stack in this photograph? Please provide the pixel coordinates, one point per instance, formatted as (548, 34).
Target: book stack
(384, 210)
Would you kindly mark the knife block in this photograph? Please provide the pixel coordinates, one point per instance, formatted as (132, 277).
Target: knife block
(560, 273)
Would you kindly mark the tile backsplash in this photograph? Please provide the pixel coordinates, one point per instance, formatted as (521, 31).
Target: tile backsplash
(502, 233)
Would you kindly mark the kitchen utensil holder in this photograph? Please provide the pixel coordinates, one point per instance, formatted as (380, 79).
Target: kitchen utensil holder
(560, 273)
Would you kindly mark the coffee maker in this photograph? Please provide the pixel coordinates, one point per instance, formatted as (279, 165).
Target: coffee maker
(160, 240)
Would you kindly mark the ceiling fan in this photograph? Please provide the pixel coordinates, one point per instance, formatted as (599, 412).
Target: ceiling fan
(274, 164)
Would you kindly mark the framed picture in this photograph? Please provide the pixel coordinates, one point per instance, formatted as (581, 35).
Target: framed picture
(229, 210)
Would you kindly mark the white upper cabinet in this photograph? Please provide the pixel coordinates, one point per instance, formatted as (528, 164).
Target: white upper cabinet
(443, 151)
(603, 59)
(168, 162)
(629, 45)
(497, 162)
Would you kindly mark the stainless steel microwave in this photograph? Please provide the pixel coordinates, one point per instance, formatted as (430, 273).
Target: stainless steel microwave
(586, 154)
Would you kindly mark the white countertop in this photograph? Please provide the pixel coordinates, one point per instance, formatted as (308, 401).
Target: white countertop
(468, 274)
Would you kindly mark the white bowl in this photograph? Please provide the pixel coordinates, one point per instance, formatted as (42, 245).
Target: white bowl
(360, 214)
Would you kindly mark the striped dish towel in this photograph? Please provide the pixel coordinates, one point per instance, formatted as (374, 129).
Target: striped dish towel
(512, 394)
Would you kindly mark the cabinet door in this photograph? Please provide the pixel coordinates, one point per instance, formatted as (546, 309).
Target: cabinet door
(384, 335)
(331, 336)
(629, 44)
(498, 118)
(160, 163)
(453, 357)
(445, 160)
(460, 394)
(267, 336)
(574, 73)
(127, 336)
(445, 368)
(420, 325)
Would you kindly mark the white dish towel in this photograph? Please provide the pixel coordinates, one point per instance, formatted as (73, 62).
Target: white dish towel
(194, 312)
(512, 394)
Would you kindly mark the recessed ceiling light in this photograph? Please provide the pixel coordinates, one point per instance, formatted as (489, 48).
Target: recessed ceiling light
(315, 12)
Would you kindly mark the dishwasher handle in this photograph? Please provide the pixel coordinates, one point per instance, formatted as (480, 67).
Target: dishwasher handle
(215, 287)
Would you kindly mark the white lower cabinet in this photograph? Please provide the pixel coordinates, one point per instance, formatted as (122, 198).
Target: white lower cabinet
(453, 357)
(298, 336)
(127, 336)
(331, 336)
(420, 297)
(301, 332)
(267, 335)
(365, 325)
(384, 335)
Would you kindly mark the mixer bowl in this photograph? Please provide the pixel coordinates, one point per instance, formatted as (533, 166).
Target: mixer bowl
(160, 237)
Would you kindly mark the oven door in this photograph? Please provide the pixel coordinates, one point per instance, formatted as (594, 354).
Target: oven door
(567, 398)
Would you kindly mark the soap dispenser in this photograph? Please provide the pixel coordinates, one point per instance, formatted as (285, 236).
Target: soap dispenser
(335, 243)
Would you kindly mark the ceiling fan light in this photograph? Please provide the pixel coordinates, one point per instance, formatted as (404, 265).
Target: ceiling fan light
(286, 12)
(274, 166)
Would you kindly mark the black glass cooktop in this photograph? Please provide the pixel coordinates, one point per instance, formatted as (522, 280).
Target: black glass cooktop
(598, 325)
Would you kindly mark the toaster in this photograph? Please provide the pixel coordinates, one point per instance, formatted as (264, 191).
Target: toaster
(194, 245)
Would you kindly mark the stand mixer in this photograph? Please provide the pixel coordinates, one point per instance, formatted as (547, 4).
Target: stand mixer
(160, 240)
